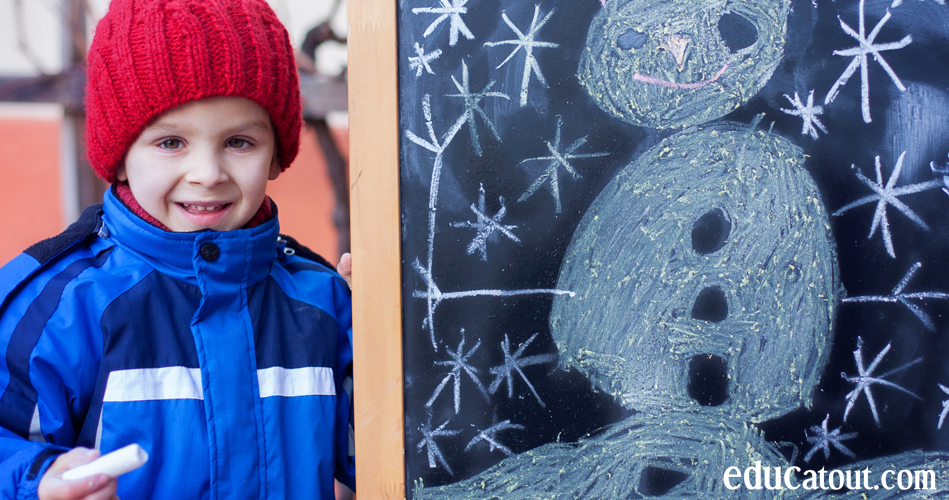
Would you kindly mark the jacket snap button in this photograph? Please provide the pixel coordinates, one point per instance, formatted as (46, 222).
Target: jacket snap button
(210, 252)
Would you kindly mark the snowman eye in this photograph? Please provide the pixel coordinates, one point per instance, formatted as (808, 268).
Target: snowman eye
(710, 231)
(737, 32)
(710, 305)
(631, 39)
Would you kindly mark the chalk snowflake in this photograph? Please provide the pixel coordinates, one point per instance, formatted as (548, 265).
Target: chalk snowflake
(824, 439)
(472, 107)
(945, 407)
(459, 363)
(528, 43)
(486, 226)
(897, 295)
(888, 195)
(489, 435)
(422, 60)
(557, 159)
(865, 378)
(428, 441)
(449, 10)
(866, 46)
(808, 113)
(513, 363)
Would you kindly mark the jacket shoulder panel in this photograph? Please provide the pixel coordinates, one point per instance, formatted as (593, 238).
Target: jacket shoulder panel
(15, 272)
(302, 250)
(36, 257)
(89, 223)
(310, 260)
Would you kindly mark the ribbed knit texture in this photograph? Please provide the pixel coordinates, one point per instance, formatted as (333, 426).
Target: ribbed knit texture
(148, 56)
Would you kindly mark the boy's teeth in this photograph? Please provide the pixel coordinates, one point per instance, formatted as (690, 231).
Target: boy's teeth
(202, 209)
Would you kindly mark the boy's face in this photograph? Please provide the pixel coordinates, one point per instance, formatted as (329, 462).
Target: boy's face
(204, 164)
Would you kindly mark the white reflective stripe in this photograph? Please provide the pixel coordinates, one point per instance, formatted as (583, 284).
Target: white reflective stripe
(290, 382)
(149, 384)
(99, 433)
(348, 387)
(36, 434)
(352, 441)
(178, 382)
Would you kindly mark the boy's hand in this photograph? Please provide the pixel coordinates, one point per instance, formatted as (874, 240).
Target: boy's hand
(97, 487)
(345, 268)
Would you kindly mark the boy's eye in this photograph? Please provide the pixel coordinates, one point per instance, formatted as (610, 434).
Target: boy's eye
(170, 144)
(237, 143)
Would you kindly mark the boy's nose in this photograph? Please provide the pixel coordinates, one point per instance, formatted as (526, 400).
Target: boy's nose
(206, 170)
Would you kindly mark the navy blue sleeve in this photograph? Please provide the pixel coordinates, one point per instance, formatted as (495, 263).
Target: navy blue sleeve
(22, 462)
(41, 375)
(345, 469)
(345, 425)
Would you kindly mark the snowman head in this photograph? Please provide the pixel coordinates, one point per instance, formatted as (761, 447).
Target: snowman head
(705, 276)
(675, 63)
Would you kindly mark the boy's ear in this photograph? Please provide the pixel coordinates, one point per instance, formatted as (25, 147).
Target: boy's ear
(274, 168)
(120, 174)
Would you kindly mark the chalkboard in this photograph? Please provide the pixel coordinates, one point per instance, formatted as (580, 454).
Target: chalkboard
(647, 240)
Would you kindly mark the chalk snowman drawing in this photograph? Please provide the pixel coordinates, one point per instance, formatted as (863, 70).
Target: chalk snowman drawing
(687, 291)
(700, 289)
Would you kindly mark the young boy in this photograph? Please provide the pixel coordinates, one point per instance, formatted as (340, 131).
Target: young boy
(173, 315)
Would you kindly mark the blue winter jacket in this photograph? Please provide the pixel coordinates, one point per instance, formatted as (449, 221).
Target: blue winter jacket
(225, 355)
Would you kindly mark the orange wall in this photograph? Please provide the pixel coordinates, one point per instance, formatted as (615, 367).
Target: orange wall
(30, 190)
(29, 184)
(305, 198)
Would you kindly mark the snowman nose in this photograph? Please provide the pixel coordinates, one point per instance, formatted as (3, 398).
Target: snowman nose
(676, 46)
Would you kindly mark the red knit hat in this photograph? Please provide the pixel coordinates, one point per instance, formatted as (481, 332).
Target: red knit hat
(148, 56)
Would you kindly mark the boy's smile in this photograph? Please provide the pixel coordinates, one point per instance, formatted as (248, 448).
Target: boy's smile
(204, 164)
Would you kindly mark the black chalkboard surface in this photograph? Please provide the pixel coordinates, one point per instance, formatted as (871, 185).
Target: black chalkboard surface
(648, 240)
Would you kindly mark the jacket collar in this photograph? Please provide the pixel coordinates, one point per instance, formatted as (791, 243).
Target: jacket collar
(244, 256)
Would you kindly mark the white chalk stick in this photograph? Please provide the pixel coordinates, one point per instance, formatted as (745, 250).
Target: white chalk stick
(114, 464)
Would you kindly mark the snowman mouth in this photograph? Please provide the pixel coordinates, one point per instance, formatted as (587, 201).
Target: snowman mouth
(673, 85)
(708, 379)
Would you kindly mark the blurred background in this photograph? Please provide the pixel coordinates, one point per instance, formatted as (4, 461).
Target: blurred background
(45, 180)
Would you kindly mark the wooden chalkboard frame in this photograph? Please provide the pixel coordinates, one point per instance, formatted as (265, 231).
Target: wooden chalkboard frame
(376, 243)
